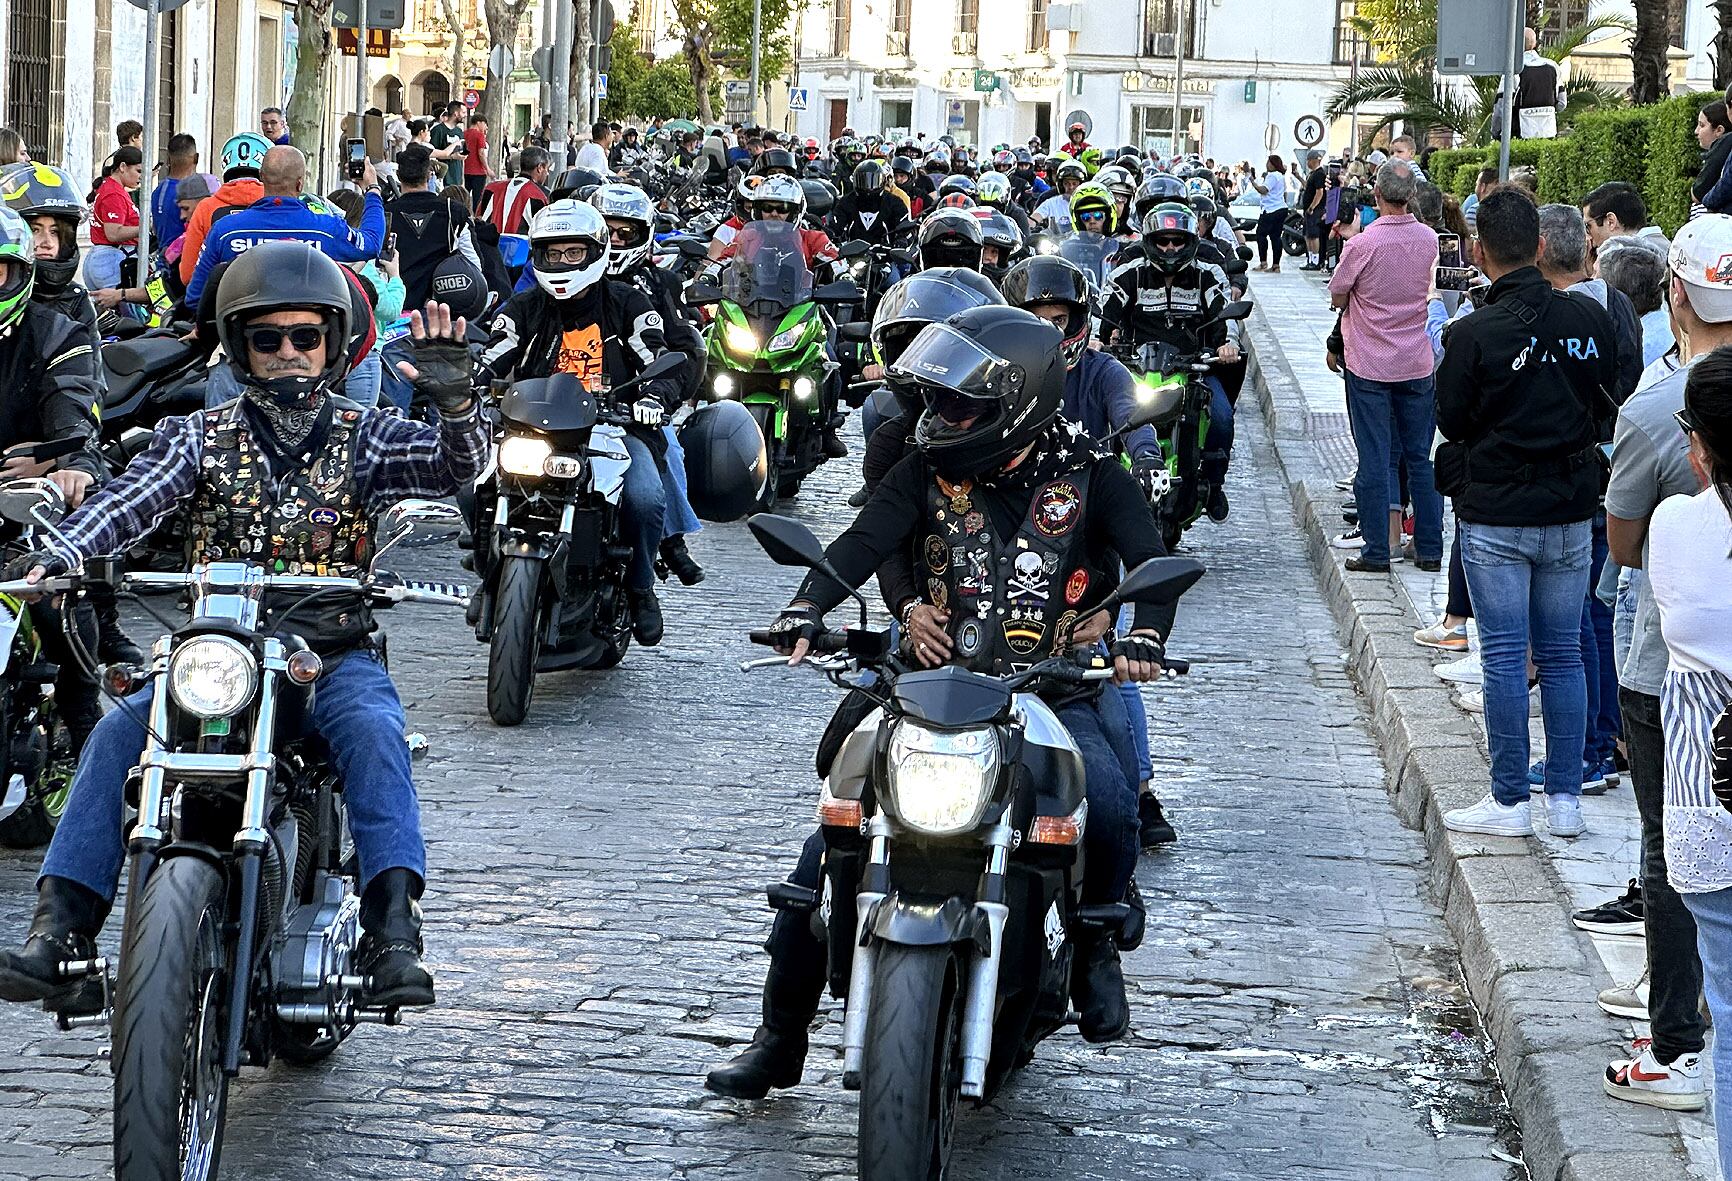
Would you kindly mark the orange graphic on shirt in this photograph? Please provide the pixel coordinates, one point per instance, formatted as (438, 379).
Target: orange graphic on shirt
(580, 352)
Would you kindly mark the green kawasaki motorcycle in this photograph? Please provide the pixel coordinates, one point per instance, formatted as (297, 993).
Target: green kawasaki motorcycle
(768, 346)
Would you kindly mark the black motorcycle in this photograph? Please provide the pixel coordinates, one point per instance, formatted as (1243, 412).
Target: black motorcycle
(548, 547)
(953, 815)
(242, 915)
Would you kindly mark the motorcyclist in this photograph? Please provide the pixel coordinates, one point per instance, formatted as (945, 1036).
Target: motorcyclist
(776, 162)
(994, 191)
(242, 156)
(1091, 209)
(1054, 212)
(996, 465)
(950, 238)
(1001, 242)
(1026, 183)
(630, 217)
(1075, 141)
(575, 320)
(780, 198)
(293, 462)
(1161, 291)
(902, 177)
(1099, 394)
(868, 211)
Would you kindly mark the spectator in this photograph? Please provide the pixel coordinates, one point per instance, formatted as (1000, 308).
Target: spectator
(1272, 194)
(12, 149)
(273, 126)
(385, 281)
(165, 220)
(1484, 183)
(626, 152)
(1402, 148)
(114, 223)
(1525, 420)
(1563, 260)
(1311, 200)
(477, 168)
(129, 133)
(593, 155)
(1641, 276)
(446, 136)
(1382, 285)
(1617, 216)
(509, 204)
(1690, 570)
(1651, 462)
(1712, 189)
(397, 135)
(1539, 94)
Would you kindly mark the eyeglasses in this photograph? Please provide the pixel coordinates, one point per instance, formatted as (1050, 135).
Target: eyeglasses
(268, 338)
(1685, 422)
(575, 255)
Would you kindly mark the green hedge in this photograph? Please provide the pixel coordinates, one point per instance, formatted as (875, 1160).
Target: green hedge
(1652, 147)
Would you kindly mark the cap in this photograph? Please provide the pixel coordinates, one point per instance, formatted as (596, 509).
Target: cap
(1702, 257)
(193, 188)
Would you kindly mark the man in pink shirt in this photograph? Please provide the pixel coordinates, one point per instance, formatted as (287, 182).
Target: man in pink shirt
(1382, 285)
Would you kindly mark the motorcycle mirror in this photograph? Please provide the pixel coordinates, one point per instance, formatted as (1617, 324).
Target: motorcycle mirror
(855, 331)
(842, 291)
(1155, 406)
(786, 541)
(1245, 254)
(663, 365)
(32, 501)
(1237, 310)
(692, 248)
(417, 524)
(853, 249)
(906, 257)
(1161, 581)
(697, 293)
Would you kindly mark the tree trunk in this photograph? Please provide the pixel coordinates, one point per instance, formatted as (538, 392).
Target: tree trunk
(582, 36)
(454, 22)
(504, 20)
(703, 72)
(1722, 50)
(306, 114)
(1648, 51)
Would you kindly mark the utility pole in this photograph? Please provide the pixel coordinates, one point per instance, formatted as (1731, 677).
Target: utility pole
(560, 83)
(757, 18)
(152, 68)
(1517, 9)
(1178, 74)
(360, 69)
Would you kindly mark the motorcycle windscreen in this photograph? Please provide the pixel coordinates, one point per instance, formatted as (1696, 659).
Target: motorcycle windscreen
(1092, 252)
(768, 268)
(555, 403)
(951, 696)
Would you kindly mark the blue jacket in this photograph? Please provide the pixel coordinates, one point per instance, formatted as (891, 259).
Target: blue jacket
(276, 218)
(1100, 393)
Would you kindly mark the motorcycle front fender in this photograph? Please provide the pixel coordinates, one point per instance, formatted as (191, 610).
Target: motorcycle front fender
(920, 923)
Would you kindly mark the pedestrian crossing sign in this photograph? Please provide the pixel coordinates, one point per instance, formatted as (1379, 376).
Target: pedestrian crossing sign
(797, 96)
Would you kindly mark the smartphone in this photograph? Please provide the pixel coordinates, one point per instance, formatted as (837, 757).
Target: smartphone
(1452, 272)
(355, 160)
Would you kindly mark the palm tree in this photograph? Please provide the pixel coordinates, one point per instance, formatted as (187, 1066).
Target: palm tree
(1648, 50)
(1424, 102)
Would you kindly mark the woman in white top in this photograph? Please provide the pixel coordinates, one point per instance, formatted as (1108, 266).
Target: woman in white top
(1689, 569)
(1272, 190)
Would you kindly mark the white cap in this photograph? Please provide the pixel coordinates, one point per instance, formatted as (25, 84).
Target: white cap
(1702, 257)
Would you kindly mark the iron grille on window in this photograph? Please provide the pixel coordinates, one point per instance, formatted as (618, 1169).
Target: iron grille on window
(968, 16)
(1037, 33)
(841, 27)
(896, 42)
(1350, 43)
(30, 73)
(1161, 28)
(168, 28)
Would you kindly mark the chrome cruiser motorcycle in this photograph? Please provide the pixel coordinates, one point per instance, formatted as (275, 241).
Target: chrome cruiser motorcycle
(953, 816)
(242, 914)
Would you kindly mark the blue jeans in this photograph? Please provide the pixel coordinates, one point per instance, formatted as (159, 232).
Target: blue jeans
(1109, 774)
(393, 386)
(1527, 583)
(1136, 716)
(1391, 421)
(355, 708)
(362, 384)
(221, 385)
(1218, 440)
(645, 504)
(1601, 671)
(1713, 914)
(679, 518)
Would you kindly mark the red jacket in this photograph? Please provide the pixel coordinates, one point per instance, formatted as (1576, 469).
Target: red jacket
(509, 204)
(816, 244)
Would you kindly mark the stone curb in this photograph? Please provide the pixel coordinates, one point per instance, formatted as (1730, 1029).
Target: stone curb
(1531, 973)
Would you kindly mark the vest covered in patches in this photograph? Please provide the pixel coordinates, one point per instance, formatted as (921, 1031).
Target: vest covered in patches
(310, 523)
(1007, 597)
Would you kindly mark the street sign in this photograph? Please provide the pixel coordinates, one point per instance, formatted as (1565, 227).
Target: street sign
(500, 62)
(734, 88)
(797, 98)
(161, 5)
(1308, 131)
(604, 23)
(1473, 37)
(381, 14)
(472, 99)
(1250, 90)
(955, 117)
(541, 61)
(378, 42)
(985, 81)
(601, 86)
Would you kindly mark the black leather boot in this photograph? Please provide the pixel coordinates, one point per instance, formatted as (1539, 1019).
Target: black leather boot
(1097, 989)
(390, 951)
(646, 617)
(113, 645)
(792, 989)
(68, 918)
(834, 447)
(680, 561)
(1156, 829)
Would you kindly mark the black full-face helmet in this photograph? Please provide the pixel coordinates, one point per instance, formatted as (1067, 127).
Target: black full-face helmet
(950, 238)
(1053, 278)
(1170, 237)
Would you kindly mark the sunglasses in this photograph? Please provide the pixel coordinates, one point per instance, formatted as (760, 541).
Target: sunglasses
(1685, 422)
(266, 338)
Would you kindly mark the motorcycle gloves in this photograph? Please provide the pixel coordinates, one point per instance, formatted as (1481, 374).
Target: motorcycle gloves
(648, 412)
(52, 565)
(442, 372)
(1150, 472)
(1141, 647)
(795, 624)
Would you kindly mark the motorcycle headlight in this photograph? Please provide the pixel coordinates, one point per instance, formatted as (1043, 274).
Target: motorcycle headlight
(212, 676)
(724, 385)
(941, 781)
(803, 388)
(789, 337)
(523, 455)
(740, 339)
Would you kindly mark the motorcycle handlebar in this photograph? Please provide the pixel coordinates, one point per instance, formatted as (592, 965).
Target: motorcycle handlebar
(824, 642)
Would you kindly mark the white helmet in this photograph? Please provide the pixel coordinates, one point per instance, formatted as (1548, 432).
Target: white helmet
(567, 223)
(621, 202)
(780, 190)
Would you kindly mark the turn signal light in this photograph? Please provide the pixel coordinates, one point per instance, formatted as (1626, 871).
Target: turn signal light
(839, 813)
(1057, 830)
(304, 667)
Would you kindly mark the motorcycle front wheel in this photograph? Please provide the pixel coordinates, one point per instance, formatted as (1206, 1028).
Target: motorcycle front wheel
(516, 643)
(170, 1093)
(913, 1064)
(31, 825)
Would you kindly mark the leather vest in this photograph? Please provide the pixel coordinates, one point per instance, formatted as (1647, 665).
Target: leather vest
(310, 523)
(1007, 597)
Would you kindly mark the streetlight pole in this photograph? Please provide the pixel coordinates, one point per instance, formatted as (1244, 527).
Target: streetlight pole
(152, 67)
(757, 19)
(1517, 10)
(360, 68)
(1178, 73)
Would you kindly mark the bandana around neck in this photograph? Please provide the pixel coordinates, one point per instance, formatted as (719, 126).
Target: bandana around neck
(1061, 449)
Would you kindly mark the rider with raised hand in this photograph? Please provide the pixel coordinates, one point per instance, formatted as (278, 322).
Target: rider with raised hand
(289, 475)
(1161, 291)
(574, 320)
(630, 217)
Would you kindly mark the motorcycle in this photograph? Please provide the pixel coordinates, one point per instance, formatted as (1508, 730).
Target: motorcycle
(768, 346)
(1093, 253)
(953, 815)
(242, 915)
(547, 536)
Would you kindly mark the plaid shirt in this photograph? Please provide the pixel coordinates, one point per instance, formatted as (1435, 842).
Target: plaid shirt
(395, 459)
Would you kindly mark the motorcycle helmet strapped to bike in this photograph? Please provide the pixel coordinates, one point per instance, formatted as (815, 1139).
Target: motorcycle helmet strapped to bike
(1089, 199)
(618, 202)
(284, 276)
(726, 460)
(243, 154)
(38, 190)
(1052, 278)
(992, 377)
(18, 257)
(1170, 237)
(950, 238)
(778, 192)
(568, 226)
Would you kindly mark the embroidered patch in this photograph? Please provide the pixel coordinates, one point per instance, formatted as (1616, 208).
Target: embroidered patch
(968, 638)
(937, 553)
(1055, 508)
(1076, 587)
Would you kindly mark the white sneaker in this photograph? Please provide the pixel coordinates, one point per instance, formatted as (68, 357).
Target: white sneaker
(1492, 819)
(1675, 1085)
(1344, 484)
(1564, 816)
(1629, 1002)
(1465, 671)
(1352, 539)
(1472, 700)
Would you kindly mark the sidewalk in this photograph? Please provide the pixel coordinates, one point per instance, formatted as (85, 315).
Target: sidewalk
(1533, 974)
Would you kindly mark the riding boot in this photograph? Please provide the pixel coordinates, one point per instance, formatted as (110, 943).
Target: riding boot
(113, 645)
(792, 989)
(646, 617)
(390, 952)
(680, 561)
(68, 918)
(1156, 828)
(834, 447)
(1097, 989)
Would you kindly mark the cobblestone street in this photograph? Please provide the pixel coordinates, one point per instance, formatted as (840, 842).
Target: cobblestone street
(596, 918)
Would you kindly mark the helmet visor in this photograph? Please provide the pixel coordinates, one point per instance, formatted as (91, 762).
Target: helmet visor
(945, 362)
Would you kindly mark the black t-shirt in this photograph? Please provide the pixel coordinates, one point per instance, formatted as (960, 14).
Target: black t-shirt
(1313, 186)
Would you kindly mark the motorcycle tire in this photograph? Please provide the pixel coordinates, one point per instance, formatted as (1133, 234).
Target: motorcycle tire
(764, 415)
(516, 643)
(170, 999)
(32, 825)
(1293, 234)
(912, 1072)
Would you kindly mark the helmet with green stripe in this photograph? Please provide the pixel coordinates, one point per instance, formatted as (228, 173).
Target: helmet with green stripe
(39, 190)
(18, 257)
